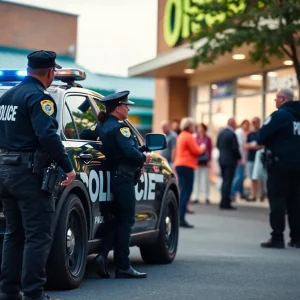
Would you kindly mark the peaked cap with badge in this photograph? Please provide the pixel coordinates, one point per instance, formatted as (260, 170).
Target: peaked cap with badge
(42, 59)
(117, 99)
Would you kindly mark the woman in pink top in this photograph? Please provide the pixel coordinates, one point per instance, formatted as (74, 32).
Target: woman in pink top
(204, 160)
(186, 161)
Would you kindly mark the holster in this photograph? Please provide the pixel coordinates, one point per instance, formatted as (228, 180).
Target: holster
(40, 161)
(50, 178)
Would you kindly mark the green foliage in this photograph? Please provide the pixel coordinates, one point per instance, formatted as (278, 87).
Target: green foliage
(271, 27)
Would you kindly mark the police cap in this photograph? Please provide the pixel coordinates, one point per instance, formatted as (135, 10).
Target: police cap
(42, 60)
(117, 99)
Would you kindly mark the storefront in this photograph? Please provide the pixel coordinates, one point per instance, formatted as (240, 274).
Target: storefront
(211, 93)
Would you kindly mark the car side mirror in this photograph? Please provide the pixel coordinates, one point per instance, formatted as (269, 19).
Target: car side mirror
(155, 141)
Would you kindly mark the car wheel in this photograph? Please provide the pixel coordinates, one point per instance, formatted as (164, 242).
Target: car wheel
(163, 251)
(68, 256)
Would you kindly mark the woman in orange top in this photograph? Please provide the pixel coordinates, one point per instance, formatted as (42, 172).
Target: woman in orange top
(186, 161)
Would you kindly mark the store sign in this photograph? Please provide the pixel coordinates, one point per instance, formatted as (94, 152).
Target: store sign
(288, 81)
(177, 24)
(222, 89)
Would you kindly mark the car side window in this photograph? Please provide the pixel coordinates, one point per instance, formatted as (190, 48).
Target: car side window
(80, 111)
(68, 124)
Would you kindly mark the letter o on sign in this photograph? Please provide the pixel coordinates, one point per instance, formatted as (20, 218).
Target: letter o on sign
(172, 22)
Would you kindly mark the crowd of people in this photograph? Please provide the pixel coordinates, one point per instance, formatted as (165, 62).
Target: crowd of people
(189, 153)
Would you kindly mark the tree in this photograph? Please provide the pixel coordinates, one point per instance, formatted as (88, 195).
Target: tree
(271, 27)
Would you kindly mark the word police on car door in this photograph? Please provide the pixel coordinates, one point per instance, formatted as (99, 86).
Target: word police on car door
(98, 185)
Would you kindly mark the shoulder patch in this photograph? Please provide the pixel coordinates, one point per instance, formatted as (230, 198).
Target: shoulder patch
(125, 131)
(93, 127)
(47, 107)
(46, 92)
(120, 121)
(268, 121)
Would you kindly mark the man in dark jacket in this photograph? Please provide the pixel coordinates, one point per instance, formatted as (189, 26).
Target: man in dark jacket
(281, 137)
(229, 156)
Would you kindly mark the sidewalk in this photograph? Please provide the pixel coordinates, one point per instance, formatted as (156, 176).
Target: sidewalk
(215, 199)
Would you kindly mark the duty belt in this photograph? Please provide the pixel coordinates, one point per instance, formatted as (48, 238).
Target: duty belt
(25, 157)
(125, 169)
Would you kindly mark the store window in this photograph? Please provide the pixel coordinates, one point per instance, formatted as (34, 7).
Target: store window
(202, 113)
(249, 85)
(283, 78)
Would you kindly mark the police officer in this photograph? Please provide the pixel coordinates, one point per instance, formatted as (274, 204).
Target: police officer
(124, 158)
(28, 123)
(280, 135)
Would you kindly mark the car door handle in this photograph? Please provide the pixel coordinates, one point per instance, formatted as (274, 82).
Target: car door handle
(86, 157)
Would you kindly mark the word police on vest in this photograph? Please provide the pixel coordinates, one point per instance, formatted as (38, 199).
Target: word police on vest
(8, 112)
(296, 128)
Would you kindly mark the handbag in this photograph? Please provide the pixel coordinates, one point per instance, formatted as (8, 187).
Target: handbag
(202, 158)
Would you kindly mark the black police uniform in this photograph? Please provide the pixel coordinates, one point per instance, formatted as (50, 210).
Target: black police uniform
(281, 136)
(124, 159)
(27, 122)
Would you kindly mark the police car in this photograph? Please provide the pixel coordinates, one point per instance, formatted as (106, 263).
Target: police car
(81, 208)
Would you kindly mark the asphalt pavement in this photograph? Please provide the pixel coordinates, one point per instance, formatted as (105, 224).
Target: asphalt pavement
(220, 259)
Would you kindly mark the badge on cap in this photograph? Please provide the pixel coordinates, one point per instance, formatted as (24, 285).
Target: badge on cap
(125, 131)
(47, 107)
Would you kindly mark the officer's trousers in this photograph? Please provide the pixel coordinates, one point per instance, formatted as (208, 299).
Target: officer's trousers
(29, 215)
(118, 234)
(284, 196)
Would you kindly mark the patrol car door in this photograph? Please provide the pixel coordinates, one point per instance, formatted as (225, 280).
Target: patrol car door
(79, 115)
(148, 192)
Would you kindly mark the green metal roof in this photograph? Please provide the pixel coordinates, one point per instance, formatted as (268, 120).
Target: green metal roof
(141, 89)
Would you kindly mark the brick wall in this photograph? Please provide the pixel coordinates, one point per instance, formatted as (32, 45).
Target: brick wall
(33, 28)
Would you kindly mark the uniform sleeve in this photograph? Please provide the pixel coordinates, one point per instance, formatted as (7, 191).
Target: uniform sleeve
(270, 128)
(42, 111)
(90, 134)
(126, 143)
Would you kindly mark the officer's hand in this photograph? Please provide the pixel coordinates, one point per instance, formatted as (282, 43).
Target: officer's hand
(148, 158)
(70, 178)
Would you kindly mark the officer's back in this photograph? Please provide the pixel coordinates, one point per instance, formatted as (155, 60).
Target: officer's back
(28, 142)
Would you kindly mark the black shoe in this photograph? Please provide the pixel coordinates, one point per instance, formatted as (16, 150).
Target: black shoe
(129, 273)
(294, 244)
(43, 297)
(207, 201)
(100, 265)
(228, 207)
(273, 244)
(185, 224)
(195, 201)
(17, 296)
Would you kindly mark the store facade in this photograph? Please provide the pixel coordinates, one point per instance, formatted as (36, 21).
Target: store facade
(232, 86)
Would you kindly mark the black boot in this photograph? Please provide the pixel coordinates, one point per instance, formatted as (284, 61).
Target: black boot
(17, 296)
(129, 273)
(43, 297)
(294, 244)
(273, 244)
(185, 224)
(101, 266)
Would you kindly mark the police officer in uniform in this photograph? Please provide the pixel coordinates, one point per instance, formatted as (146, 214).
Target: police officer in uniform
(27, 123)
(124, 158)
(280, 135)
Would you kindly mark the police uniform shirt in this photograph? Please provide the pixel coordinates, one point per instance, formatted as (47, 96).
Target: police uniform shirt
(90, 134)
(281, 135)
(27, 121)
(119, 146)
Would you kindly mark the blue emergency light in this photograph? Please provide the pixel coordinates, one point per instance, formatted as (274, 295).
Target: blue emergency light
(12, 75)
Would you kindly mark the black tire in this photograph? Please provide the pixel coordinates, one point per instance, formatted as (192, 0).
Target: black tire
(67, 261)
(164, 250)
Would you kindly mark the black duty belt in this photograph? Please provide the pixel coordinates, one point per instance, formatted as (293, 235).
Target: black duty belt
(125, 169)
(24, 157)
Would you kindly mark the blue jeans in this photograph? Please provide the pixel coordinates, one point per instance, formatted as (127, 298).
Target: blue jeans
(185, 181)
(238, 181)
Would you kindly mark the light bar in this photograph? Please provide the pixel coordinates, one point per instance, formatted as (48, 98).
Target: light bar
(70, 75)
(12, 75)
(65, 75)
